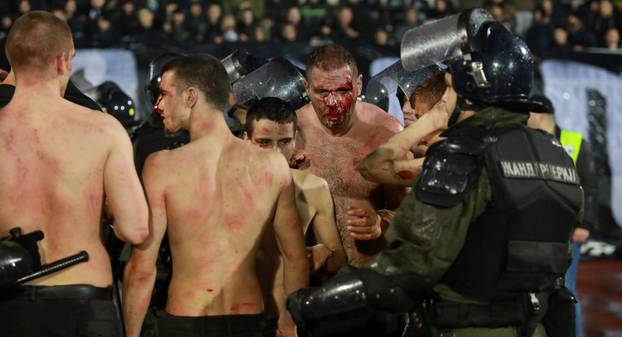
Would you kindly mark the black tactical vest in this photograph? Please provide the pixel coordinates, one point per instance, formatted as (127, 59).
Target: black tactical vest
(521, 242)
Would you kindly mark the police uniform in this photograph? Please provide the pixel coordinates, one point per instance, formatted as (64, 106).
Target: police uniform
(481, 244)
(469, 226)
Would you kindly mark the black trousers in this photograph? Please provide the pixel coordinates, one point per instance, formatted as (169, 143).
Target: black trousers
(71, 310)
(211, 326)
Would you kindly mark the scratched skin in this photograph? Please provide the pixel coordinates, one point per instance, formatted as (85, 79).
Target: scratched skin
(53, 178)
(217, 210)
(336, 133)
(216, 197)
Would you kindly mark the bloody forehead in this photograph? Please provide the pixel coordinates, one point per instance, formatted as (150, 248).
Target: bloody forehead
(341, 78)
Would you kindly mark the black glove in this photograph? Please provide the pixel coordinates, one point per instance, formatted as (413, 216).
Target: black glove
(360, 291)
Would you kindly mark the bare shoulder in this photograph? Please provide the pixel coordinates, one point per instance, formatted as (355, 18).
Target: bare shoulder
(305, 112)
(379, 118)
(315, 189)
(263, 161)
(96, 121)
(156, 162)
(308, 181)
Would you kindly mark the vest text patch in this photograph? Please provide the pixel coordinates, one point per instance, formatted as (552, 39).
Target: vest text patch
(530, 170)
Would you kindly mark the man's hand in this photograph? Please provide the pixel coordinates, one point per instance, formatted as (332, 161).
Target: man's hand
(363, 224)
(318, 255)
(580, 235)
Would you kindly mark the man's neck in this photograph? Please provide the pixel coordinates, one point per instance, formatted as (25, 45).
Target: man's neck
(205, 122)
(548, 125)
(27, 84)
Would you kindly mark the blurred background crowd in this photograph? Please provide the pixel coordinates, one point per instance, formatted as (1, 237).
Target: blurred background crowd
(379, 24)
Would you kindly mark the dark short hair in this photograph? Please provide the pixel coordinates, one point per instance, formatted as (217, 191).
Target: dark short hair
(35, 37)
(205, 72)
(330, 57)
(272, 108)
(430, 90)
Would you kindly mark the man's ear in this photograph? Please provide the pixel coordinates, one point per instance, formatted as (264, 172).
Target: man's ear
(359, 84)
(306, 85)
(191, 96)
(63, 63)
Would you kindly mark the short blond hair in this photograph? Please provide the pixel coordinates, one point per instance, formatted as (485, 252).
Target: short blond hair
(35, 38)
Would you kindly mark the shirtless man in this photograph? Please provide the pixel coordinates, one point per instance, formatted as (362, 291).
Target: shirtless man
(336, 133)
(60, 162)
(431, 104)
(271, 124)
(216, 197)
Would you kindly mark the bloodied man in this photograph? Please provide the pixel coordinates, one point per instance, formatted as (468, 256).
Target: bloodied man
(60, 163)
(336, 132)
(216, 196)
(271, 124)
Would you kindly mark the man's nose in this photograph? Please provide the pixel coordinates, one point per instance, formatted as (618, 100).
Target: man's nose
(331, 100)
(156, 106)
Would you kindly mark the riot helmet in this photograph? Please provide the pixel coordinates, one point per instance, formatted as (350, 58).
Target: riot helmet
(395, 80)
(499, 72)
(488, 63)
(239, 64)
(277, 78)
(155, 75)
(117, 103)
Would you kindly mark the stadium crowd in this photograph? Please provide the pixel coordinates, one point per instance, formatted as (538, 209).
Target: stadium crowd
(551, 25)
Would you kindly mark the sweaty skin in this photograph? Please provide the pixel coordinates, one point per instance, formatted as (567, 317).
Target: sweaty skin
(216, 197)
(60, 163)
(336, 133)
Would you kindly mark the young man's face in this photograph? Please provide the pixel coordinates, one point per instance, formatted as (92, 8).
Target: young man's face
(409, 113)
(170, 103)
(274, 136)
(333, 95)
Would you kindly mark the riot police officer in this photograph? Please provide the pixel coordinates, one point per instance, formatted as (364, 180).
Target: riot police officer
(480, 246)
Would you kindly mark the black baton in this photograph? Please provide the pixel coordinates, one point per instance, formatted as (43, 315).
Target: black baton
(53, 267)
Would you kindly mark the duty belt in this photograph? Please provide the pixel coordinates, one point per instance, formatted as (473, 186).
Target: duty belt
(525, 312)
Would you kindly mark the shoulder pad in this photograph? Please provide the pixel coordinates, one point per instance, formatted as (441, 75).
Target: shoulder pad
(447, 176)
(466, 145)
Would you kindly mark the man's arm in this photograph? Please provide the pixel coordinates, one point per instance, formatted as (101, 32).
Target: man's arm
(392, 163)
(140, 271)
(124, 194)
(325, 228)
(290, 240)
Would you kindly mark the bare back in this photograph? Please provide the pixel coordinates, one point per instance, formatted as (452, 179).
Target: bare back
(334, 158)
(218, 204)
(52, 179)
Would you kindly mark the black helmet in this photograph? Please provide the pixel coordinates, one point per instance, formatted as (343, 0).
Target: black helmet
(500, 70)
(117, 103)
